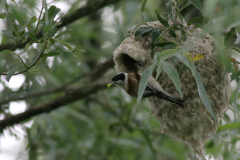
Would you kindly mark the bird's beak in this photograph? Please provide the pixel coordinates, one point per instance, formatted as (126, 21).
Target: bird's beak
(110, 84)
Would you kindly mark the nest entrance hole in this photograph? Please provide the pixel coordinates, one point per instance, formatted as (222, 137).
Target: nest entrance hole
(129, 63)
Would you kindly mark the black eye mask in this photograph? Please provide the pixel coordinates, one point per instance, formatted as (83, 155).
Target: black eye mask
(118, 77)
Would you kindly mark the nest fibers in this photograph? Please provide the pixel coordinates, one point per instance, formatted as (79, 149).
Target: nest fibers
(192, 125)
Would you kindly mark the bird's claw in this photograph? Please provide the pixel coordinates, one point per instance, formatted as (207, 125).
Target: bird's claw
(142, 65)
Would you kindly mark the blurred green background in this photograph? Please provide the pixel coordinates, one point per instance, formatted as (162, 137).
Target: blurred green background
(107, 124)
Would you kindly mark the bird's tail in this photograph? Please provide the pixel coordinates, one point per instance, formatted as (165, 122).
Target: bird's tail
(171, 98)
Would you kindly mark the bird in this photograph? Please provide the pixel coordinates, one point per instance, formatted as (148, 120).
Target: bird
(130, 83)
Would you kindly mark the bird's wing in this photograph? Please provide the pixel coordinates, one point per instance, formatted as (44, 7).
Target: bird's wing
(147, 94)
(149, 87)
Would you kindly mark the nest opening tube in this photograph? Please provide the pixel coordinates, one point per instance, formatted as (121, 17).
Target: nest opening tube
(129, 63)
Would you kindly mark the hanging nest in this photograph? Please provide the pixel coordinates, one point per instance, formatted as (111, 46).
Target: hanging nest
(192, 125)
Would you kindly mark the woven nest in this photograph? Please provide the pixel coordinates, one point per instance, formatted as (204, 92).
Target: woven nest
(192, 125)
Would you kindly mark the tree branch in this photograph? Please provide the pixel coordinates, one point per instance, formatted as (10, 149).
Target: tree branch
(68, 97)
(99, 70)
(68, 19)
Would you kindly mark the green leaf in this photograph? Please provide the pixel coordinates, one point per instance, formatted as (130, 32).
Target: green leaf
(50, 54)
(179, 14)
(162, 56)
(184, 6)
(143, 5)
(198, 19)
(236, 98)
(142, 17)
(235, 75)
(3, 2)
(229, 126)
(2, 16)
(63, 32)
(46, 12)
(142, 31)
(173, 74)
(172, 33)
(236, 49)
(184, 35)
(14, 2)
(161, 20)
(144, 80)
(8, 33)
(201, 90)
(229, 35)
(64, 43)
(6, 52)
(32, 20)
(11, 72)
(52, 12)
(33, 37)
(197, 4)
(164, 44)
(154, 36)
(237, 40)
(159, 69)
(170, 10)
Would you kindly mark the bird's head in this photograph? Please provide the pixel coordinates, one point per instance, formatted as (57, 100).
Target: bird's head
(119, 80)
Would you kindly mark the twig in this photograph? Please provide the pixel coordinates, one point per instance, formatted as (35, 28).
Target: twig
(92, 76)
(69, 97)
(92, 7)
(27, 68)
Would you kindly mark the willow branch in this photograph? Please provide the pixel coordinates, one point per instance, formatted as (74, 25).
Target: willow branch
(69, 97)
(26, 67)
(92, 7)
(99, 70)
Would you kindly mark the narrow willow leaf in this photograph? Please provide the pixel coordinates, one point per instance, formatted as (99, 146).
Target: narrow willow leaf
(52, 12)
(229, 35)
(179, 14)
(50, 54)
(8, 33)
(163, 44)
(33, 37)
(184, 6)
(64, 43)
(144, 80)
(46, 12)
(197, 4)
(172, 33)
(32, 20)
(142, 17)
(201, 90)
(235, 75)
(159, 69)
(142, 31)
(143, 5)
(154, 37)
(63, 32)
(198, 19)
(173, 74)
(3, 2)
(229, 126)
(238, 39)
(5, 52)
(2, 16)
(236, 98)
(11, 72)
(162, 56)
(161, 20)
(236, 49)
(170, 10)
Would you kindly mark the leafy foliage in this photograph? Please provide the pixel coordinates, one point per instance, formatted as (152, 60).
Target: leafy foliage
(106, 125)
